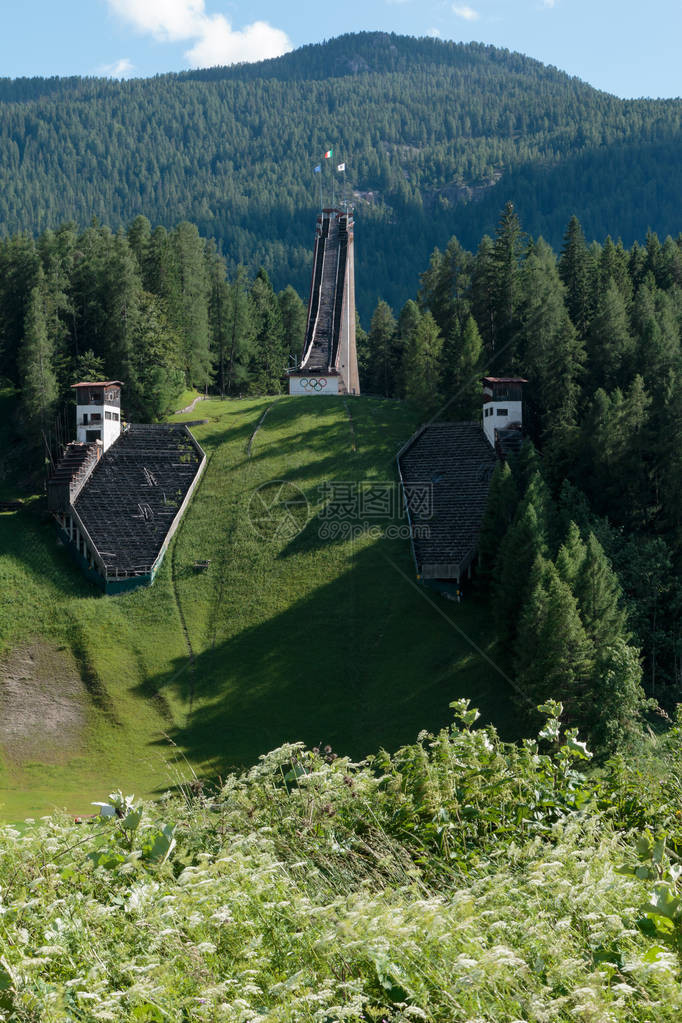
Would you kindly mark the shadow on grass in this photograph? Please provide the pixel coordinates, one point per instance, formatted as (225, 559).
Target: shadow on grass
(31, 537)
(361, 663)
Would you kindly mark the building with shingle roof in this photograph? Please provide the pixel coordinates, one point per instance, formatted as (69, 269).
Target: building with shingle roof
(118, 499)
(445, 471)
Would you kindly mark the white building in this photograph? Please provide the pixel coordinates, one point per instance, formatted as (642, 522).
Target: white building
(98, 412)
(502, 406)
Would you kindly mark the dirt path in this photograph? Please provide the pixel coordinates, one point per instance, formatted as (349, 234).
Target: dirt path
(191, 407)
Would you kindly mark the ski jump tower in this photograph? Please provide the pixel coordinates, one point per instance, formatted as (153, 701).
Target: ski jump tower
(330, 363)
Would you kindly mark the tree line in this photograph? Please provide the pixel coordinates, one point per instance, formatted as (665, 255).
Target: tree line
(153, 308)
(596, 331)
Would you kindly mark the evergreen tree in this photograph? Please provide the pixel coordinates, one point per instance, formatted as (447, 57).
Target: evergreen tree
(421, 364)
(445, 287)
(619, 702)
(599, 595)
(38, 378)
(551, 357)
(294, 317)
(611, 348)
(382, 369)
(483, 293)
(574, 270)
(408, 321)
(554, 657)
(238, 344)
(571, 556)
(461, 367)
(507, 251)
(269, 361)
(499, 514)
(521, 545)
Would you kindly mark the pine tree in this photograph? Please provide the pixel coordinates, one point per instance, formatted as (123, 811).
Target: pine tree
(461, 367)
(445, 286)
(381, 371)
(611, 348)
(574, 270)
(599, 595)
(520, 546)
(499, 514)
(421, 365)
(507, 252)
(619, 699)
(551, 356)
(38, 379)
(483, 293)
(571, 557)
(553, 655)
(238, 336)
(294, 317)
(269, 360)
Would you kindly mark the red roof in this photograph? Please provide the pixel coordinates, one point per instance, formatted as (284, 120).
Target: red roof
(99, 383)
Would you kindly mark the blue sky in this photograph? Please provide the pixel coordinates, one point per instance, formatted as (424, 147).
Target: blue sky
(628, 48)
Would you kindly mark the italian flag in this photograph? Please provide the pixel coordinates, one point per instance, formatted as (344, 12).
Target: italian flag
(328, 154)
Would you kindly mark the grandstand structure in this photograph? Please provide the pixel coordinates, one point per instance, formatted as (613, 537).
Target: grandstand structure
(117, 510)
(445, 471)
(329, 364)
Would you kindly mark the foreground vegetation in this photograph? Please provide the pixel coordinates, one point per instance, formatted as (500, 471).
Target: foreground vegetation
(316, 889)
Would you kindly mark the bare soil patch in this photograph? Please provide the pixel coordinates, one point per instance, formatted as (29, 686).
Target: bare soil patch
(43, 704)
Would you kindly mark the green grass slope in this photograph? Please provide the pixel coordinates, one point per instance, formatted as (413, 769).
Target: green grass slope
(281, 639)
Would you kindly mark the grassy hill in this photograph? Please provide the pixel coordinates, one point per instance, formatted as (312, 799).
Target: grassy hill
(436, 137)
(288, 638)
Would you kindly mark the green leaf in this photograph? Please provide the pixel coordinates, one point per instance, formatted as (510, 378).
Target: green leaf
(664, 902)
(159, 844)
(132, 820)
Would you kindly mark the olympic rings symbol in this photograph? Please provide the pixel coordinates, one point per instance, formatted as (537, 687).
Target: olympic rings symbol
(313, 383)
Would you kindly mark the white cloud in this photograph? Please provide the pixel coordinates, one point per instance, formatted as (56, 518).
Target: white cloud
(468, 13)
(221, 45)
(215, 41)
(433, 32)
(549, 3)
(119, 69)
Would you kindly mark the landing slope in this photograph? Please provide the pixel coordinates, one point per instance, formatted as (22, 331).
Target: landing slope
(319, 636)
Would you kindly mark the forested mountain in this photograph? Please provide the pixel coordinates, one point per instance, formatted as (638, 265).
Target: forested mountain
(439, 134)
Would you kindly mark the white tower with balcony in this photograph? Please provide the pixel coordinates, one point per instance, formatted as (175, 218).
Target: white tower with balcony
(502, 406)
(98, 412)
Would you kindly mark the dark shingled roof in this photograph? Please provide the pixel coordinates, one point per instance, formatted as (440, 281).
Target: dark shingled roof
(134, 493)
(455, 461)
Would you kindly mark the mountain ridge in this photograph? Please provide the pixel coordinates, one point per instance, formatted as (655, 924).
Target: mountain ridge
(440, 135)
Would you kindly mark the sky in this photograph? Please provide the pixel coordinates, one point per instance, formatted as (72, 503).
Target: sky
(625, 47)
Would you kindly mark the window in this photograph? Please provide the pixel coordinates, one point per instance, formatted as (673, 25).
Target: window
(114, 415)
(503, 411)
(107, 415)
(97, 417)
